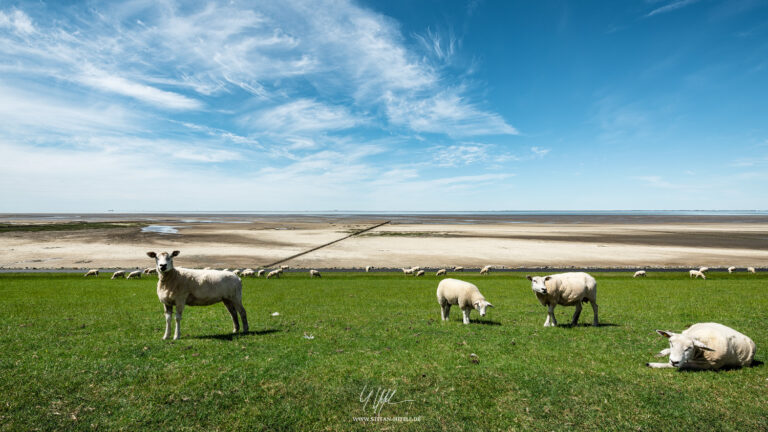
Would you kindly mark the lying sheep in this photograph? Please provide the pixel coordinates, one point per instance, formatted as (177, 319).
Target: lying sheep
(274, 273)
(731, 269)
(118, 274)
(179, 287)
(565, 289)
(420, 273)
(703, 269)
(696, 274)
(639, 273)
(134, 275)
(485, 270)
(458, 269)
(314, 273)
(149, 271)
(260, 273)
(706, 346)
(91, 272)
(464, 294)
(247, 272)
(751, 270)
(441, 272)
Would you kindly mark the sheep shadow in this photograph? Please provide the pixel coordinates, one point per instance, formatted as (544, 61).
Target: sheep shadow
(484, 322)
(755, 363)
(233, 336)
(602, 324)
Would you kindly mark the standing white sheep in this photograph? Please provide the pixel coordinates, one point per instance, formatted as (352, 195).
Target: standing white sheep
(407, 271)
(639, 273)
(696, 274)
(181, 286)
(485, 270)
(274, 273)
(314, 273)
(706, 346)
(247, 272)
(441, 272)
(731, 269)
(420, 273)
(260, 273)
(565, 289)
(751, 270)
(149, 271)
(458, 269)
(463, 294)
(91, 272)
(236, 271)
(134, 275)
(703, 269)
(368, 269)
(118, 274)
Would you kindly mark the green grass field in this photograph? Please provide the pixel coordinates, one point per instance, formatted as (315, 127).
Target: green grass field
(86, 354)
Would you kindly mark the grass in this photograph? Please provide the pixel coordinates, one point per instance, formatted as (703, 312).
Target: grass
(86, 354)
(67, 226)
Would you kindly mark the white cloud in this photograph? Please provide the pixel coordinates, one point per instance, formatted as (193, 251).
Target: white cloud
(303, 115)
(106, 82)
(17, 21)
(671, 7)
(540, 152)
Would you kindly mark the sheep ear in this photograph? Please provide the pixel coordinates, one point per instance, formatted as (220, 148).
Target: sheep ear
(529, 278)
(547, 278)
(490, 305)
(151, 254)
(666, 334)
(701, 345)
(175, 253)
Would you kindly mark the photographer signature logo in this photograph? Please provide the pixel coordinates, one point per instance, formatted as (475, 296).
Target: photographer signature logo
(376, 400)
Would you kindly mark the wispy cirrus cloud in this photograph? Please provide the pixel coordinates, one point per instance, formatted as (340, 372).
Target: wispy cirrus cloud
(673, 6)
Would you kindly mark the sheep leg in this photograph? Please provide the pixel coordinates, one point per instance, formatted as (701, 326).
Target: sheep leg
(595, 322)
(659, 365)
(179, 311)
(466, 315)
(168, 314)
(576, 313)
(243, 316)
(663, 353)
(233, 313)
(445, 310)
(551, 321)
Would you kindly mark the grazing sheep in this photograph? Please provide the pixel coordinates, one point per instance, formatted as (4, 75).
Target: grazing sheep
(274, 273)
(458, 269)
(226, 269)
(236, 271)
(703, 269)
(407, 271)
(92, 272)
(464, 294)
(284, 267)
(117, 274)
(441, 272)
(696, 274)
(731, 269)
(206, 268)
(368, 269)
(247, 272)
(149, 271)
(751, 269)
(260, 273)
(485, 270)
(420, 273)
(639, 273)
(706, 346)
(565, 289)
(134, 275)
(314, 273)
(179, 287)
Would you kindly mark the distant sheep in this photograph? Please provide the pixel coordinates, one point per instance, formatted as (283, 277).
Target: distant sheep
(420, 273)
(368, 269)
(92, 272)
(696, 274)
(260, 273)
(485, 270)
(134, 275)
(407, 271)
(703, 269)
(226, 269)
(236, 271)
(639, 273)
(463, 294)
(284, 267)
(179, 287)
(731, 269)
(706, 346)
(274, 273)
(458, 269)
(118, 274)
(565, 289)
(149, 271)
(247, 272)
(441, 272)
(314, 273)
(751, 270)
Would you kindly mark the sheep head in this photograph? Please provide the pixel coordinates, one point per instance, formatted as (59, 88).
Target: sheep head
(481, 306)
(164, 261)
(538, 283)
(683, 349)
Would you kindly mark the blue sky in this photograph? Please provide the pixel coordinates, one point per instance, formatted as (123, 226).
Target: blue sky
(383, 105)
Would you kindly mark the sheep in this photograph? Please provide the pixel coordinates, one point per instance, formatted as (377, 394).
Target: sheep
(703, 269)
(458, 269)
(706, 346)
(696, 274)
(639, 273)
(284, 267)
(407, 271)
(149, 271)
(565, 289)
(134, 275)
(441, 272)
(118, 274)
(464, 294)
(236, 271)
(206, 268)
(420, 273)
(260, 273)
(274, 273)
(247, 272)
(485, 270)
(751, 270)
(731, 269)
(226, 269)
(92, 272)
(368, 269)
(314, 273)
(179, 287)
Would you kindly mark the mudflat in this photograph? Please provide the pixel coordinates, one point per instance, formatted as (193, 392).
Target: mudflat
(426, 240)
